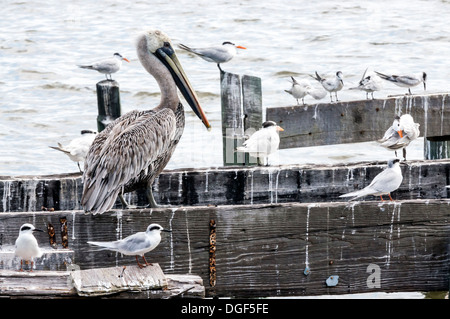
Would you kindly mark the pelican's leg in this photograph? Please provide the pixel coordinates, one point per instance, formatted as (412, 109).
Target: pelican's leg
(150, 198)
(125, 204)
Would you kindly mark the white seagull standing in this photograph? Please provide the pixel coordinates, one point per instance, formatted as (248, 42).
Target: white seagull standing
(384, 183)
(303, 88)
(217, 54)
(107, 66)
(402, 132)
(27, 247)
(263, 142)
(332, 84)
(135, 245)
(407, 81)
(369, 84)
(78, 148)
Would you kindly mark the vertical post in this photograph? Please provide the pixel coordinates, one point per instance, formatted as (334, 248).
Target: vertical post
(108, 101)
(437, 147)
(252, 107)
(232, 124)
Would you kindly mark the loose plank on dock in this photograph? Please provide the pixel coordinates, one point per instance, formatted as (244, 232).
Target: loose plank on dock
(359, 121)
(263, 250)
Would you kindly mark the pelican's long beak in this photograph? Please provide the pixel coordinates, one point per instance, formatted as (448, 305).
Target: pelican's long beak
(169, 58)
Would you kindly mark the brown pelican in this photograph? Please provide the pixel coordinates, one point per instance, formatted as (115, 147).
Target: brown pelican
(133, 150)
(107, 66)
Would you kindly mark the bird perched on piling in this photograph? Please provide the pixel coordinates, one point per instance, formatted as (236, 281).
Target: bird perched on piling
(407, 81)
(26, 246)
(384, 183)
(402, 132)
(137, 244)
(303, 88)
(263, 142)
(107, 66)
(78, 148)
(369, 84)
(217, 54)
(133, 149)
(331, 84)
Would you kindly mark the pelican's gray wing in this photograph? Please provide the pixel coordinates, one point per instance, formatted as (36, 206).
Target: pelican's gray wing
(128, 147)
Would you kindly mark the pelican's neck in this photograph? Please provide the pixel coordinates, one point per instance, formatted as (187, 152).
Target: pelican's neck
(169, 95)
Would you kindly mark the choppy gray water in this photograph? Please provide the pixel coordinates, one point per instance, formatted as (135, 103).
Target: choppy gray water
(45, 98)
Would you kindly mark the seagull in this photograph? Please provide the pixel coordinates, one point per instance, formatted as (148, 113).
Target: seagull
(407, 81)
(217, 54)
(402, 132)
(369, 84)
(303, 88)
(383, 184)
(107, 66)
(78, 148)
(263, 142)
(135, 245)
(331, 85)
(27, 247)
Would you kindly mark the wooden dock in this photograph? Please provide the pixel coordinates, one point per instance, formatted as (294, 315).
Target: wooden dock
(242, 230)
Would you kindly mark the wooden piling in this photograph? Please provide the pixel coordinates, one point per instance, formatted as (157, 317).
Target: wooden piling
(241, 115)
(108, 102)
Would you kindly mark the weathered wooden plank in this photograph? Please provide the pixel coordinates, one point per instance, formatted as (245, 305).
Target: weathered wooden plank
(111, 280)
(358, 121)
(233, 186)
(108, 103)
(59, 284)
(263, 250)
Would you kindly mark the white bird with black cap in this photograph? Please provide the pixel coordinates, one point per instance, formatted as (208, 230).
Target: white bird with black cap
(333, 84)
(26, 246)
(216, 54)
(406, 81)
(107, 66)
(384, 183)
(263, 142)
(135, 245)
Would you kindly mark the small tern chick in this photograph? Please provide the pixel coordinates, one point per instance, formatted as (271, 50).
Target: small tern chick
(369, 83)
(216, 54)
(107, 66)
(263, 142)
(402, 132)
(78, 148)
(135, 245)
(303, 88)
(27, 247)
(383, 184)
(407, 81)
(332, 84)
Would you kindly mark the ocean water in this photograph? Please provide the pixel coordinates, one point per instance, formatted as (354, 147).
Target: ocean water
(45, 98)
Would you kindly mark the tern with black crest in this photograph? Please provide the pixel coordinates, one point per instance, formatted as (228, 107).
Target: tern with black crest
(217, 54)
(406, 81)
(136, 245)
(107, 66)
(333, 84)
(384, 183)
(26, 246)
